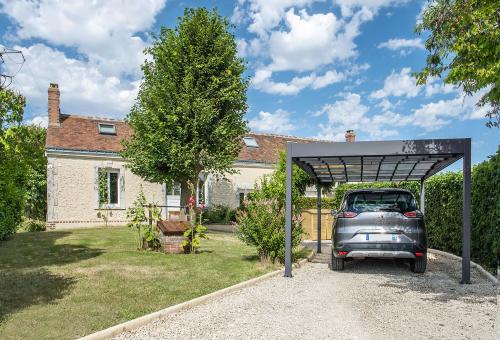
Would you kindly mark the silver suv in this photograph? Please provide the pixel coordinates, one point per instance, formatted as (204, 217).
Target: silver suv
(383, 223)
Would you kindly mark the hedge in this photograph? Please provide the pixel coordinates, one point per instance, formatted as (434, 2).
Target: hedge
(443, 209)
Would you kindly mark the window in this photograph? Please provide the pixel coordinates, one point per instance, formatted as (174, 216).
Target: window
(175, 190)
(109, 187)
(250, 142)
(242, 198)
(107, 129)
(380, 201)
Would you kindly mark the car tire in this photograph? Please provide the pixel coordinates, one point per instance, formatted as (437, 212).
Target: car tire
(337, 263)
(419, 264)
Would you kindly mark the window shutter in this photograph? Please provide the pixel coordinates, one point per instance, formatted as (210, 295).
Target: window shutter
(96, 187)
(122, 189)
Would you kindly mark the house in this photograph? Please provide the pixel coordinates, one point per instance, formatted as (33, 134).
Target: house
(83, 155)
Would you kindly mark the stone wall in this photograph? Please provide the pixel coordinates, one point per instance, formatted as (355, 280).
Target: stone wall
(72, 191)
(225, 191)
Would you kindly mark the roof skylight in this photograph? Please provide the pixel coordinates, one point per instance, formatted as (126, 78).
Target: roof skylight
(107, 129)
(250, 142)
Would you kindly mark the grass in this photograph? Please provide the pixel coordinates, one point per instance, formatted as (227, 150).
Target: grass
(67, 284)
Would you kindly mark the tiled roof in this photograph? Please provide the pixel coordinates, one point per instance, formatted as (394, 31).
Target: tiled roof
(82, 133)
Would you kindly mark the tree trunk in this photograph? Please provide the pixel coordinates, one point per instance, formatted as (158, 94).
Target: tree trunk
(185, 193)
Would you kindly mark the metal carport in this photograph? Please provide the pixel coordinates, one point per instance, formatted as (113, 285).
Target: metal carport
(378, 161)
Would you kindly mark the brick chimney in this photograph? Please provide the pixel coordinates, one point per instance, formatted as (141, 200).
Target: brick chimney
(350, 136)
(54, 110)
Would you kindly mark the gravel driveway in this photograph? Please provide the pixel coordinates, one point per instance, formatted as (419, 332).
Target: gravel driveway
(372, 299)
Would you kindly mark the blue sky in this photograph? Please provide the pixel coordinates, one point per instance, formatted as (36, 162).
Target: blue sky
(317, 68)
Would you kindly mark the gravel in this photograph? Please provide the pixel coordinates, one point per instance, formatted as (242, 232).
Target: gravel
(370, 299)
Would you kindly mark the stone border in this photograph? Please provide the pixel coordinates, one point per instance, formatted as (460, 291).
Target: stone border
(483, 271)
(143, 320)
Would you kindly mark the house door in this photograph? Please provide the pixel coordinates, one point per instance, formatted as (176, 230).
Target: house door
(174, 200)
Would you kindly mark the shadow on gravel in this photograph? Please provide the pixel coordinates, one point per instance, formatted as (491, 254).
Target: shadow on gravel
(441, 281)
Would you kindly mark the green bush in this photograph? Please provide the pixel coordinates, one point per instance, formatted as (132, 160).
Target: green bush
(443, 212)
(261, 221)
(31, 225)
(262, 224)
(326, 203)
(11, 206)
(219, 214)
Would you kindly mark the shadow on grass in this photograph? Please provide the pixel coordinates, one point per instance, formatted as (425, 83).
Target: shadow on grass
(19, 289)
(35, 250)
(440, 282)
(25, 279)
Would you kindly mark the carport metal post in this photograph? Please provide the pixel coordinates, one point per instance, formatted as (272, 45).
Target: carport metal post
(288, 211)
(466, 212)
(318, 203)
(422, 196)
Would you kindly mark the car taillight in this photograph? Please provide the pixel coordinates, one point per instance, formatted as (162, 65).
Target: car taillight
(410, 214)
(419, 254)
(342, 253)
(347, 214)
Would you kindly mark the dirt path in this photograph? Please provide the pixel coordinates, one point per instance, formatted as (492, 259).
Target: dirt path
(369, 300)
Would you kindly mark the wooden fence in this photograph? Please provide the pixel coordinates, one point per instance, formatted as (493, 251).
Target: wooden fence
(310, 223)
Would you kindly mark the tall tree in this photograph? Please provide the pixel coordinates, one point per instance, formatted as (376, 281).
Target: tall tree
(11, 197)
(464, 46)
(189, 114)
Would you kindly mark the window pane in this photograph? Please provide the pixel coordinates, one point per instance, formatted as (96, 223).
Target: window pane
(107, 129)
(384, 201)
(113, 188)
(251, 142)
(176, 189)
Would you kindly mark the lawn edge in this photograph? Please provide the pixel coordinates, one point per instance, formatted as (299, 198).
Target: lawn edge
(473, 264)
(145, 319)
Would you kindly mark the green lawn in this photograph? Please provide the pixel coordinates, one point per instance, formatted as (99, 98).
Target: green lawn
(66, 284)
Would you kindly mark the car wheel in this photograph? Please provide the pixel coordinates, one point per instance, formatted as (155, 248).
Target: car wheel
(419, 264)
(337, 263)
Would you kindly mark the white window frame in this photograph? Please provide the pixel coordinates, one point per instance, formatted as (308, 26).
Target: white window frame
(250, 142)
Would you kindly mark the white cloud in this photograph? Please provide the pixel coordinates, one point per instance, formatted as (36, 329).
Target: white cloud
(398, 84)
(348, 6)
(267, 14)
(42, 121)
(434, 86)
(289, 36)
(262, 81)
(309, 43)
(403, 45)
(84, 89)
(277, 122)
(349, 113)
(103, 31)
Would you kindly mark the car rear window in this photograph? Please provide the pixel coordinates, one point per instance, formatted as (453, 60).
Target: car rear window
(380, 201)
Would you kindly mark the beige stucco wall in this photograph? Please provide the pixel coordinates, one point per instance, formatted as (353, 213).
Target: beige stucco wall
(225, 191)
(72, 199)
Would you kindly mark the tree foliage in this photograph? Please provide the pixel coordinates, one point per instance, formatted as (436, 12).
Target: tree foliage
(463, 45)
(11, 197)
(189, 114)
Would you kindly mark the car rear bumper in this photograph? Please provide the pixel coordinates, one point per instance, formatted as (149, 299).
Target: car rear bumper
(381, 253)
(384, 250)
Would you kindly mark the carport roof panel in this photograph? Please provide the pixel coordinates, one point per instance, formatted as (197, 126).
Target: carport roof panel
(411, 160)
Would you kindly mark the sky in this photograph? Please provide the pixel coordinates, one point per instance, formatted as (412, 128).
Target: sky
(316, 68)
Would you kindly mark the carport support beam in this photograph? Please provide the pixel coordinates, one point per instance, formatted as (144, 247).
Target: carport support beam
(318, 203)
(466, 212)
(422, 196)
(288, 212)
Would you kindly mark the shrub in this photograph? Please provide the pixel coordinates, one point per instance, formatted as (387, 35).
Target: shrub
(11, 205)
(31, 225)
(261, 221)
(326, 203)
(443, 208)
(220, 214)
(262, 224)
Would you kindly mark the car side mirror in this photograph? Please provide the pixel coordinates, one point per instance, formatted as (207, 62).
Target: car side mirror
(333, 212)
